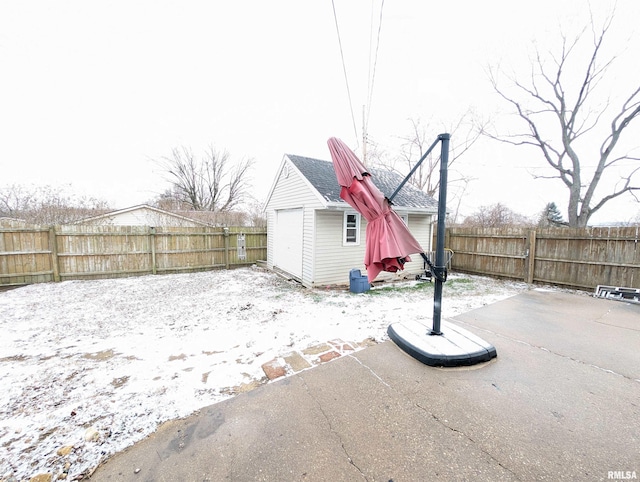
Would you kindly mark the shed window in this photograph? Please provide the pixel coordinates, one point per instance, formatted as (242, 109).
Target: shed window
(351, 229)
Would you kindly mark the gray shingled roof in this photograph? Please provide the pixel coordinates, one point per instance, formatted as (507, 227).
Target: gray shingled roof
(322, 176)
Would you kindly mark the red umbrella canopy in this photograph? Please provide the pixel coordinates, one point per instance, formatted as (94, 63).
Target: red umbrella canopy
(388, 240)
(345, 163)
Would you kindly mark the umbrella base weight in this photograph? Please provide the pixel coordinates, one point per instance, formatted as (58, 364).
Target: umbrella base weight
(454, 347)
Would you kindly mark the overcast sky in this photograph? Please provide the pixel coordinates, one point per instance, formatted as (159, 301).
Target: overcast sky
(92, 92)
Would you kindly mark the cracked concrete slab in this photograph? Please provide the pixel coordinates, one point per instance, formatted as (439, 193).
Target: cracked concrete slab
(599, 332)
(559, 403)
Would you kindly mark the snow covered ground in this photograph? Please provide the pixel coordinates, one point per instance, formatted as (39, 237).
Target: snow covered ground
(88, 368)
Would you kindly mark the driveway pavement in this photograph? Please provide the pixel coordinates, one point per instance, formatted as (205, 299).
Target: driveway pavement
(560, 402)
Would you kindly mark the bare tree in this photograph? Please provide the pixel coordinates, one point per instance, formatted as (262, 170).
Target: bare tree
(169, 200)
(237, 186)
(427, 176)
(415, 144)
(16, 200)
(458, 197)
(550, 98)
(48, 205)
(494, 216)
(257, 217)
(207, 183)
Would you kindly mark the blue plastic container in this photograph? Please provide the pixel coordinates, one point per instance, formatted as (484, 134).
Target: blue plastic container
(357, 282)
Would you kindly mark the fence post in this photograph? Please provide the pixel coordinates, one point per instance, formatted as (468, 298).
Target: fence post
(53, 248)
(226, 247)
(152, 241)
(531, 256)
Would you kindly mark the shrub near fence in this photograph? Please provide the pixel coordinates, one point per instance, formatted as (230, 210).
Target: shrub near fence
(43, 254)
(579, 258)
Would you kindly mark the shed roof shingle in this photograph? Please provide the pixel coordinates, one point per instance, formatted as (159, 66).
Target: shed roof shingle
(323, 178)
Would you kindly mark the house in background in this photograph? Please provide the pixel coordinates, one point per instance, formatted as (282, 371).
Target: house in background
(142, 215)
(7, 222)
(316, 238)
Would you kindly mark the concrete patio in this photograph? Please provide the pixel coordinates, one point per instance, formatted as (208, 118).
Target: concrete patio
(560, 402)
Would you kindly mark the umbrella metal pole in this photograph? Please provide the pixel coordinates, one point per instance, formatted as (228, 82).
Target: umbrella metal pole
(441, 270)
(456, 347)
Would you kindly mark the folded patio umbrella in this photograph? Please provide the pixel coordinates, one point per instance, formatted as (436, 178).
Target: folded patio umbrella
(388, 240)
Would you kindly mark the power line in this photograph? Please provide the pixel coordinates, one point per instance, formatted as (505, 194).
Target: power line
(344, 69)
(375, 61)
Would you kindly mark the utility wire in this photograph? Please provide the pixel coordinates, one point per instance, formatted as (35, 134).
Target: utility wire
(344, 69)
(375, 62)
(370, 57)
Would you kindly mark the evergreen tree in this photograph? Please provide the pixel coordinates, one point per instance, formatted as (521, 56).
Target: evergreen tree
(551, 216)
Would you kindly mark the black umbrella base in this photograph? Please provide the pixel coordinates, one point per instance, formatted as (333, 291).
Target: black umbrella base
(454, 347)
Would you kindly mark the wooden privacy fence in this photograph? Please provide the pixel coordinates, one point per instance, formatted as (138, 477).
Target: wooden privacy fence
(58, 253)
(579, 258)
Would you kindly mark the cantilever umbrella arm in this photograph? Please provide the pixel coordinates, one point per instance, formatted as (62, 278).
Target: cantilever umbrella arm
(415, 167)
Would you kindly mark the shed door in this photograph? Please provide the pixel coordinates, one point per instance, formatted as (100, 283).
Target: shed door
(288, 241)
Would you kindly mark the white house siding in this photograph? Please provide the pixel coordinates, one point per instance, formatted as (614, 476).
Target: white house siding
(292, 192)
(142, 217)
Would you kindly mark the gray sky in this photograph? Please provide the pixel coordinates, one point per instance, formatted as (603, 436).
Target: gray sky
(92, 91)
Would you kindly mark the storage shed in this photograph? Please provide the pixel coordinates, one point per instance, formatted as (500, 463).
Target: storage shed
(315, 237)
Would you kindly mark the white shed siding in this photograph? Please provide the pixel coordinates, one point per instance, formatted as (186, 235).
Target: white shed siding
(288, 241)
(420, 227)
(325, 260)
(292, 191)
(334, 261)
(271, 229)
(308, 247)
